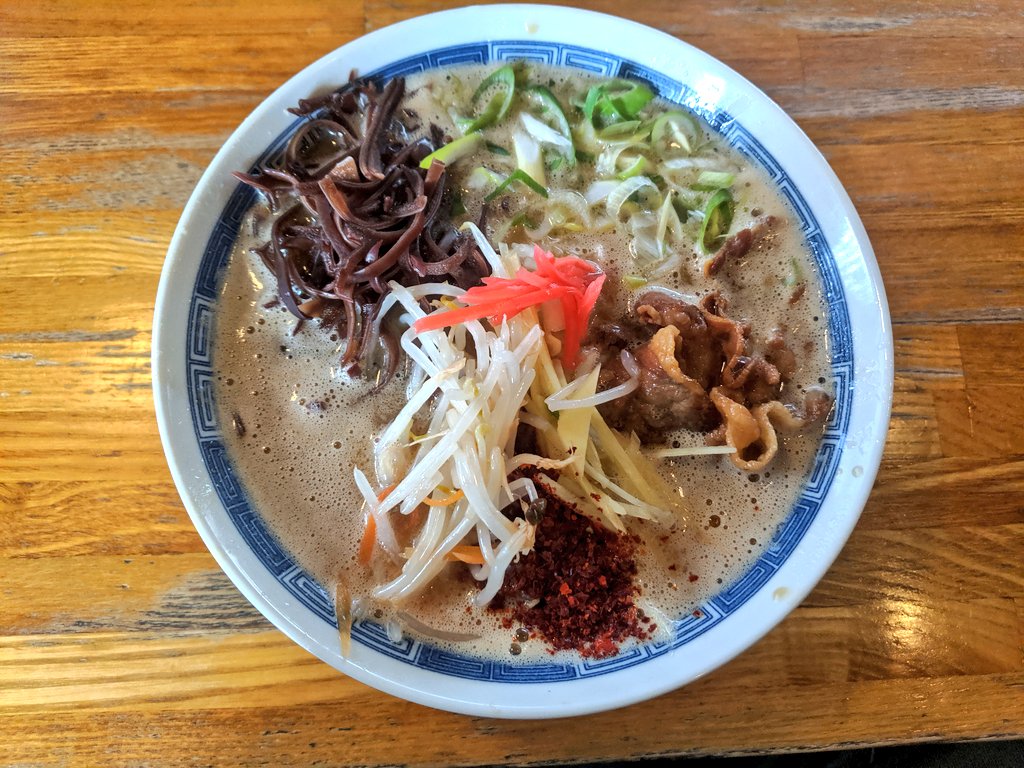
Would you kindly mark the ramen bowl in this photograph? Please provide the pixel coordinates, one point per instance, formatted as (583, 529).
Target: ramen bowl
(800, 550)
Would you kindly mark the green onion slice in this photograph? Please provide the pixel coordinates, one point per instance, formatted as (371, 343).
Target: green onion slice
(590, 103)
(502, 229)
(548, 105)
(676, 129)
(647, 195)
(668, 221)
(521, 176)
(717, 219)
(529, 158)
(638, 166)
(483, 178)
(504, 79)
(454, 150)
(632, 282)
(711, 180)
(632, 100)
(626, 130)
(616, 101)
(547, 102)
(682, 206)
(489, 116)
(522, 220)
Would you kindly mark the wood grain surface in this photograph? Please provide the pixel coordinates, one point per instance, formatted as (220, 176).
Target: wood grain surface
(122, 643)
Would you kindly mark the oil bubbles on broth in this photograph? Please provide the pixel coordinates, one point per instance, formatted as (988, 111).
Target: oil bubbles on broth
(295, 423)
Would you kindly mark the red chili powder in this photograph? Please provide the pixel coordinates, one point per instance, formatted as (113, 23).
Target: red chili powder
(576, 588)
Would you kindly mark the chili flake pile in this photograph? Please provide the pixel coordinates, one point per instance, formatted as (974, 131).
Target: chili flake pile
(576, 588)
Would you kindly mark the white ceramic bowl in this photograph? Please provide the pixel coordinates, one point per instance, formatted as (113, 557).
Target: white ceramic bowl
(802, 548)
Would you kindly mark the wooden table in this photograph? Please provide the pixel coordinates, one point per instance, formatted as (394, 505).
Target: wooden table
(121, 642)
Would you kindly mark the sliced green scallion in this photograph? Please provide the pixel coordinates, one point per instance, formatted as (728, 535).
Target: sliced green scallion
(521, 176)
(608, 161)
(647, 195)
(630, 101)
(633, 282)
(529, 158)
(504, 80)
(682, 207)
(635, 168)
(668, 221)
(483, 178)
(590, 103)
(522, 220)
(621, 131)
(711, 180)
(548, 107)
(489, 116)
(718, 215)
(545, 134)
(676, 130)
(615, 101)
(455, 150)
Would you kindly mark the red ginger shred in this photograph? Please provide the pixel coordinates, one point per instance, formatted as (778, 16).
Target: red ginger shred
(575, 283)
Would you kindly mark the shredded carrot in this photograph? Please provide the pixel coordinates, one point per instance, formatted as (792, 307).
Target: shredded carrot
(445, 501)
(369, 540)
(466, 553)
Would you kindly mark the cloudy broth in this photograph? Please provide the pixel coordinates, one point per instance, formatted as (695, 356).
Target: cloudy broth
(295, 424)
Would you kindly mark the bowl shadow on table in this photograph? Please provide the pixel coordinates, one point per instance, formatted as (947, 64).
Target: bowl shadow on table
(990, 754)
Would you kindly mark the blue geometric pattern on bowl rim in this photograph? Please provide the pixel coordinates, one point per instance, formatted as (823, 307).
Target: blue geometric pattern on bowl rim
(310, 594)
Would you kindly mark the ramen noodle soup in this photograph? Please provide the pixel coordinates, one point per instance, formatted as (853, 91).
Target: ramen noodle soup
(519, 360)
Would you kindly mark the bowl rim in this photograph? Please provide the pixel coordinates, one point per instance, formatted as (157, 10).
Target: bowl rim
(572, 697)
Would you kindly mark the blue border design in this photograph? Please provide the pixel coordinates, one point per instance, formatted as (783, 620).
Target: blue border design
(311, 595)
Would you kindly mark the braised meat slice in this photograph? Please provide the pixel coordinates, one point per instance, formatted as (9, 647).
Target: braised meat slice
(698, 348)
(660, 403)
(684, 351)
(778, 353)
